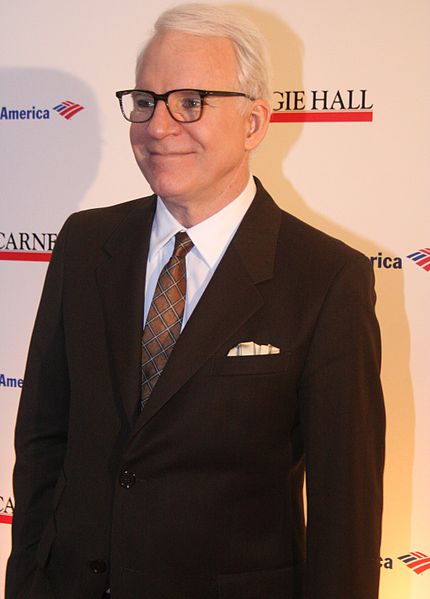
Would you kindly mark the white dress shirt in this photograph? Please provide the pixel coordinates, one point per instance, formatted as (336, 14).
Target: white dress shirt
(211, 238)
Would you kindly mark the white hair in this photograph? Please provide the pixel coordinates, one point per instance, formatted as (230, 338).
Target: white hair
(253, 62)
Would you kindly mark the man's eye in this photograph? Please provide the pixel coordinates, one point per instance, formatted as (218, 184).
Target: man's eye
(143, 103)
(191, 103)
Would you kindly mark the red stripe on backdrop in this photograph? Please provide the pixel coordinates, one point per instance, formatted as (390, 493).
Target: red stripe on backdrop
(69, 113)
(423, 565)
(26, 256)
(424, 261)
(358, 116)
(5, 519)
(70, 107)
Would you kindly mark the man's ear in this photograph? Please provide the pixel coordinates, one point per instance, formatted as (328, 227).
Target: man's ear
(258, 119)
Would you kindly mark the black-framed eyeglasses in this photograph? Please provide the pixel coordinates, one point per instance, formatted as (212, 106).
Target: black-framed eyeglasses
(184, 105)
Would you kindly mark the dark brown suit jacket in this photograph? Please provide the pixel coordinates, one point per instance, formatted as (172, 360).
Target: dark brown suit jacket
(200, 496)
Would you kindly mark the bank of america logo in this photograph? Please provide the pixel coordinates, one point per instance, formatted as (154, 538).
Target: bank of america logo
(68, 109)
(421, 258)
(416, 561)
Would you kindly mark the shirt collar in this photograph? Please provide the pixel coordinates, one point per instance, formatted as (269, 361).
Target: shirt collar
(164, 227)
(211, 236)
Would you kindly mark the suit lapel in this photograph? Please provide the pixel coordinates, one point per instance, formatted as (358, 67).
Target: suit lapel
(230, 299)
(121, 281)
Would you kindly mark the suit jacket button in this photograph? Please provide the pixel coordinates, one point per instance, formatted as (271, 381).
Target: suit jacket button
(127, 479)
(98, 566)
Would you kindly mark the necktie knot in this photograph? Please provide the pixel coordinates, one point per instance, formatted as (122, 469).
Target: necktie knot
(183, 244)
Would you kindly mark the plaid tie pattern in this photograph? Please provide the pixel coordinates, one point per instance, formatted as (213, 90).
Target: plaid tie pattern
(163, 323)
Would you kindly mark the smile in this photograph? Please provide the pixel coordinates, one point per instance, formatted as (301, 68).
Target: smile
(168, 155)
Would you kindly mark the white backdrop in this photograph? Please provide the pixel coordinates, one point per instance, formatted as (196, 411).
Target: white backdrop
(364, 181)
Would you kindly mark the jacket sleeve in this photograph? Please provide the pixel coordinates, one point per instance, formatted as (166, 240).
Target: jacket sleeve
(344, 426)
(41, 429)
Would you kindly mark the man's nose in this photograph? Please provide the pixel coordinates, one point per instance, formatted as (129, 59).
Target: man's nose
(161, 122)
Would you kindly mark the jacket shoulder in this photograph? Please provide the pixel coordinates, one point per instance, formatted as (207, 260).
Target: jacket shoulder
(313, 241)
(107, 215)
(308, 250)
(91, 229)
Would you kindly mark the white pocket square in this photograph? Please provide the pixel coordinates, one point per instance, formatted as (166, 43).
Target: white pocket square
(249, 348)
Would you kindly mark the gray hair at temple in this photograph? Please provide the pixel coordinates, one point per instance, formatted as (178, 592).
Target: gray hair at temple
(253, 62)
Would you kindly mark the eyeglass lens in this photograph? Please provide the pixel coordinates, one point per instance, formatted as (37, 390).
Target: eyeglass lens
(184, 106)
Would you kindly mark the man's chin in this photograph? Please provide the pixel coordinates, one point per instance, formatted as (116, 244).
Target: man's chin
(167, 182)
(167, 190)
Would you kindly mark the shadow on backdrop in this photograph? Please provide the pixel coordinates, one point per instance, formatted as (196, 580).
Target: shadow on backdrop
(46, 164)
(46, 168)
(287, 52)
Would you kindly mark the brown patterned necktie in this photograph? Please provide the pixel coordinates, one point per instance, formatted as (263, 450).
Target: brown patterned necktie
(164, 320)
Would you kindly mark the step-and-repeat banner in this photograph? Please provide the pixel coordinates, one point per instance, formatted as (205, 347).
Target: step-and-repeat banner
(347, 151)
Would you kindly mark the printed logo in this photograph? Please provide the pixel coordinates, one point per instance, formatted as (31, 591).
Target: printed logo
(421, 258)
(68, 109)
(416, 561)
(321, 106)
(33, 247)
(6, 510)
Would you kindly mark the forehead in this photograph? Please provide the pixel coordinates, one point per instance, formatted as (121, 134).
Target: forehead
(174, 60)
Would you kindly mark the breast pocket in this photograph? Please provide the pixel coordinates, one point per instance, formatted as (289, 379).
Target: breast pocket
(250, 365)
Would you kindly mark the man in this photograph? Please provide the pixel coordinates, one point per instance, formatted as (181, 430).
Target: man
(179, 475)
